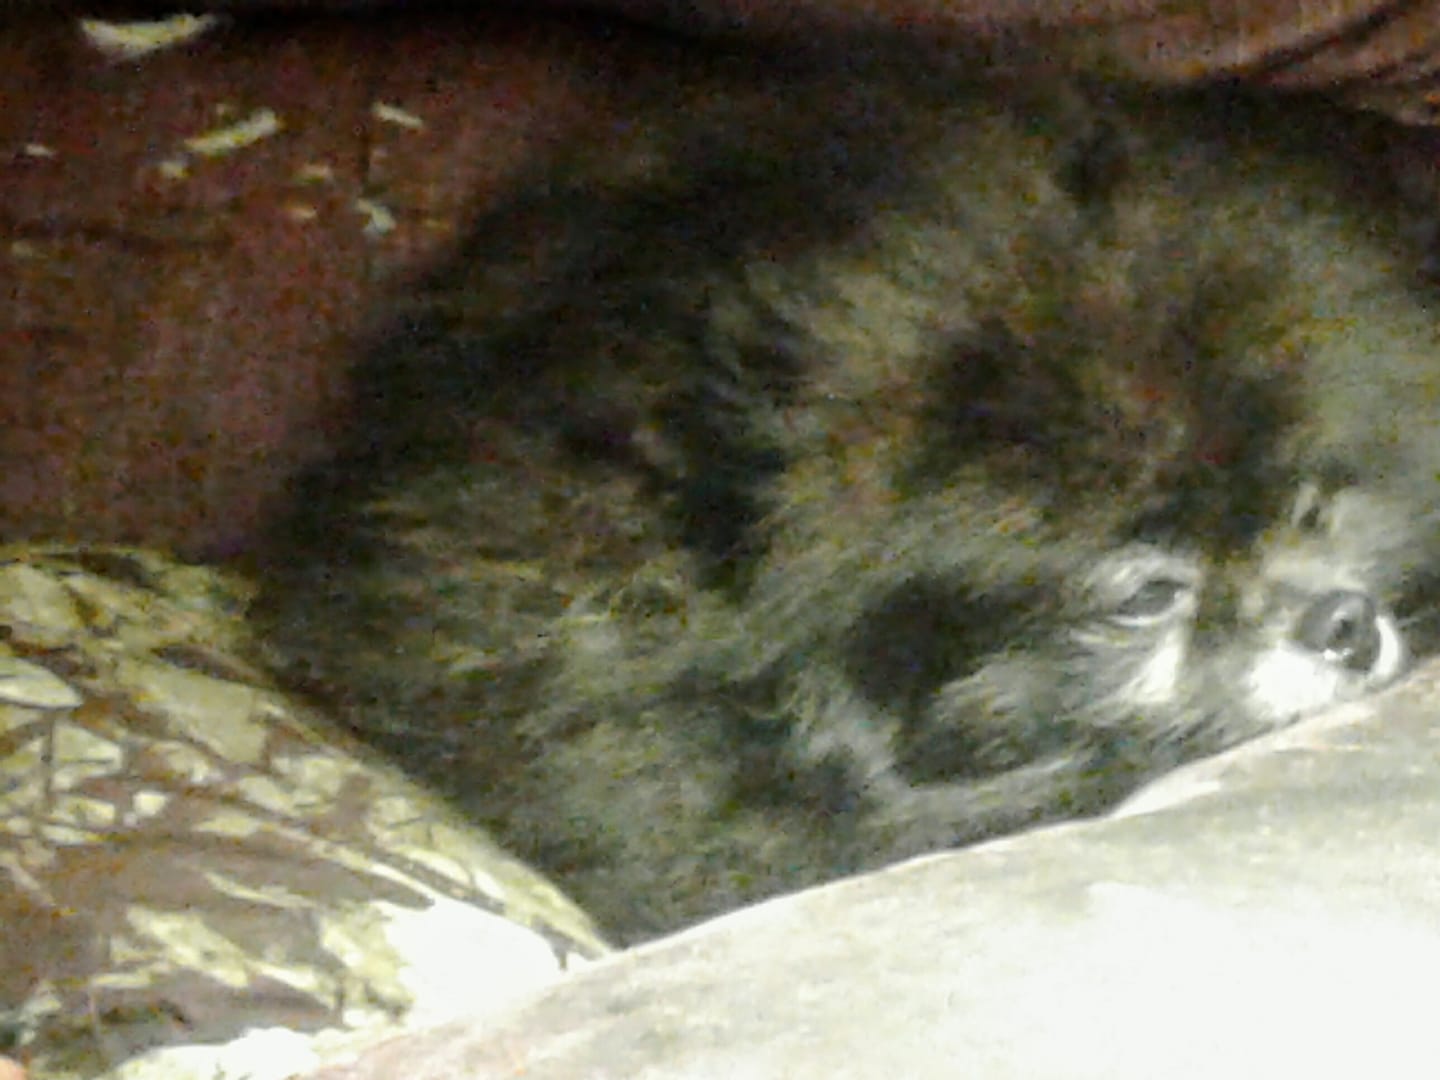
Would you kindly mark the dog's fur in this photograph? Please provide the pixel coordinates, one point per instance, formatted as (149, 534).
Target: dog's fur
(822, 472)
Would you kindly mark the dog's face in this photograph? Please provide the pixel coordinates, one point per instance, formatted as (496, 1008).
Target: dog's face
(1022, 634)
(1219, 649)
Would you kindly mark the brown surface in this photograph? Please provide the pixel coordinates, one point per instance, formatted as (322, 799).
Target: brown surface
(172, 350)
(170, 347)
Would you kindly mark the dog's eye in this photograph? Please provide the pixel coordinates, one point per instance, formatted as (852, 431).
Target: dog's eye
(1154, 600)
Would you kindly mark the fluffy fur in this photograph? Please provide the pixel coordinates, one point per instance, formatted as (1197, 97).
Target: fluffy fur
(824, 470)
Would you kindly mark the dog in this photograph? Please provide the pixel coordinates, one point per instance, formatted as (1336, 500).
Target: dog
(822, 469)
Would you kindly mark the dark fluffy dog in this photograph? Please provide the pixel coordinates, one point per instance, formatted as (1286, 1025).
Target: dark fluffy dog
(824, 470)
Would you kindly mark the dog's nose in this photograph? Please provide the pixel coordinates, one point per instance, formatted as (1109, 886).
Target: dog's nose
(1344, 627)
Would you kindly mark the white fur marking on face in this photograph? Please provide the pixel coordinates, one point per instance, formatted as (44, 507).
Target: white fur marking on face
(1394, 657)
(1158, 679)
(1289, 681)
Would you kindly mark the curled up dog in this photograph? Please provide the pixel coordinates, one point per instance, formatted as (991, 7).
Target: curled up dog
(825, 470)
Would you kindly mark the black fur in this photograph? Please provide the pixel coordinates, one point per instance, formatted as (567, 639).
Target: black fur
(817, 471)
